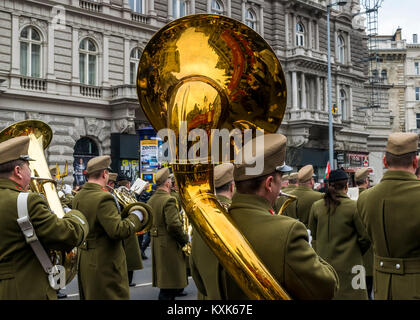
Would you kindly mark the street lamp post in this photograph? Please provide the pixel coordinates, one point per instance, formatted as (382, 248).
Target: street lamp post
(330, 116)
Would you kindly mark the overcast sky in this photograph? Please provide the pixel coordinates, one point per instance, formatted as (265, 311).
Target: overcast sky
(399, 13)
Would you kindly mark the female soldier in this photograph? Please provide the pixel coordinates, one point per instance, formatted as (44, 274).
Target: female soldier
(339, 237)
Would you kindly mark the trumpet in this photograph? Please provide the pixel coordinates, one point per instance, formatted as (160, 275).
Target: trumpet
(290, 198)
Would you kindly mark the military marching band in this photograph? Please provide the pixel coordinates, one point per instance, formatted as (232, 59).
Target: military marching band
(312, 245)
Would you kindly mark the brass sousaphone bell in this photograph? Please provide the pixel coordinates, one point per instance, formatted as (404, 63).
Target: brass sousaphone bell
(213, 72)
(40, 135)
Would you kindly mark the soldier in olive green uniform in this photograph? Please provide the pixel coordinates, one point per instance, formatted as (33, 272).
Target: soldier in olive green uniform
(281, 242)
(361, 178)
(131, 244)
(391, 213)
(103, 268)
(168, 238)
(305, 194)
(205, 267)
(292, 178)
(339, 236)
(21, 273)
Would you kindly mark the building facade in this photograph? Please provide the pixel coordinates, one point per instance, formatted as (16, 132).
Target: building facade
(73, 64)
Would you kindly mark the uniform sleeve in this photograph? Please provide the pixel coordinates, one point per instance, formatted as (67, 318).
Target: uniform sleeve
(56, 233)
(194, 270)
(362, 235)
(173, 222)
(307, 275)
(114, 225)
(313, 225)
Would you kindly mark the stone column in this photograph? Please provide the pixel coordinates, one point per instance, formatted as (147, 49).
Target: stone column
(15, 45)
(309, 34)
(50, 63)
(192, 9)
(243, 10)
(286, 28)
(75, 56)
(317, 35)
(348, 49)
(170, 10)
(261, 21)
(326, 94)
(318, 93)
(105, 67)
(303, 97)
(293, 30)
(350, 103)
(126, 61)
(294, 91)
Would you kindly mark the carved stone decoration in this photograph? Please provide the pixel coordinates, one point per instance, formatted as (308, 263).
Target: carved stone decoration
(100, 130)
(123, 126)
(33, 116)
(296, 141)
(39, 24)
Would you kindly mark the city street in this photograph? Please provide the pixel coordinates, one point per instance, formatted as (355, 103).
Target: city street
(143, 289)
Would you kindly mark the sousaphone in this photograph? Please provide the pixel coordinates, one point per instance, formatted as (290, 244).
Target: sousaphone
(212, 72)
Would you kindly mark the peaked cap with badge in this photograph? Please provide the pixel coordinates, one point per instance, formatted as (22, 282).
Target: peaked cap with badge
(400, 143)
(98, 163)
(162, 175)
(223, 174)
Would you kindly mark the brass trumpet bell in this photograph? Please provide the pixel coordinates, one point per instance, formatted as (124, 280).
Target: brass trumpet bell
(212, 72)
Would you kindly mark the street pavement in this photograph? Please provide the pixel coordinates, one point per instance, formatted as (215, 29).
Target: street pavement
(143, 289)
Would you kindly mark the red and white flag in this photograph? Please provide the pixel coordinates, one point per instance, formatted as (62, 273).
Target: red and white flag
(327, 170)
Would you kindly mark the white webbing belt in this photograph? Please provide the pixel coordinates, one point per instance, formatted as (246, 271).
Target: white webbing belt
(56, 273)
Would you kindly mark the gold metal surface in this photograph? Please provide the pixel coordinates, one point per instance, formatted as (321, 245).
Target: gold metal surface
(40, 135)
(214, 72)
(127, 201)
(290, 198)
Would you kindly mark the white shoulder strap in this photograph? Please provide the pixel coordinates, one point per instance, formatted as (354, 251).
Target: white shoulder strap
(56, 274)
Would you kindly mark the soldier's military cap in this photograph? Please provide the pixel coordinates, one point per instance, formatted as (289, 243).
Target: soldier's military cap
(293, 176)
(98, 163)
(402, 142)
(337, 175)
(306, 173)
(223, 174)
(15, 149)
(161, 176)
(361, 174)
(113, 177)
(53, 170)
(271, 153)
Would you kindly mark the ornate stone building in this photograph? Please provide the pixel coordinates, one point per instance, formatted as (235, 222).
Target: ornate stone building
(72, 64)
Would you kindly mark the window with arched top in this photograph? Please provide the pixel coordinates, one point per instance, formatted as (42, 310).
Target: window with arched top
(84, 150)
(138, 6)
(251, 19)
(216, 7)
(343, 104)
(341, 50)
(134, 61)
(300, 35)
(179, 8)
(88, 62)
(30, 52)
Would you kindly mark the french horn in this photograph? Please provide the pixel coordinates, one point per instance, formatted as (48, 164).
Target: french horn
(40, 135)
(209, 72)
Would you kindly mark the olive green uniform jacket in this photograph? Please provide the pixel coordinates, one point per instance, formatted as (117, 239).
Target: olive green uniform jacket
(167, 235)
(102, 267)
(368, 256)
(205, 267)
(391, 213)
(341, 239)
(282, 244)
(21, 273)
(300, 208)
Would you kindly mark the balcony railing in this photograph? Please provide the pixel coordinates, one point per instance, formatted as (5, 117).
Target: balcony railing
(90, 5)
(137, 17)
(33, 84)
(124, 91)
(91, 91)
(311, 115)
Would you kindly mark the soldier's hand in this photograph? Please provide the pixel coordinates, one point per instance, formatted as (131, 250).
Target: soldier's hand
(138, 213)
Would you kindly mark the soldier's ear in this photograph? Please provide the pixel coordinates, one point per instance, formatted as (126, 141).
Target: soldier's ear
(385, 163)
(415, 162)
